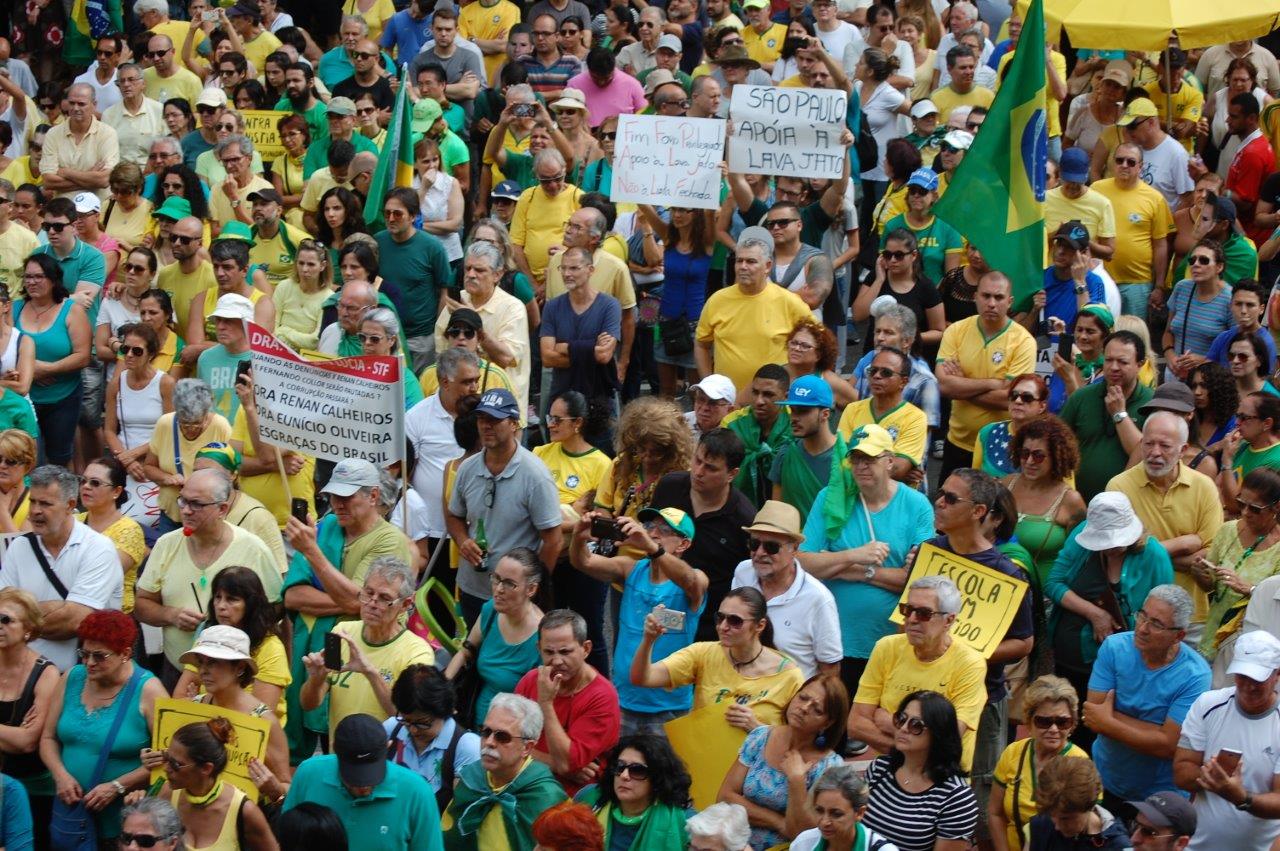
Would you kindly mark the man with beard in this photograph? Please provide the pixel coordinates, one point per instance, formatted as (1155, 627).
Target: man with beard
(300, 98)
(801, 469)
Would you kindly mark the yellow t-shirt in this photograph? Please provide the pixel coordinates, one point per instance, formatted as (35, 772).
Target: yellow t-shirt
(748, 331)
(182, 288)
(376, 17)
(766, 47)
(716, 682)
(894, 203)
(538, 223)
(350, 693)
(273, 669)
(257, 49)
(298, 314)
(489, 21)
(1016, 768)
(906, 424)
(126, 534)
(947, 99)
(893, 672)
(491, 375)
(1142, 216)
(1051, 104)
(278, 252)
(127, 228)
(320, 182)
(251, 515)
(220, 209)
(177, 33)
(266, 487)
(1012, 351)
(183, 84)
(218, 431)
(16, 245)
(1187, 104)
(512, 144)
(1092, 209)
(574, 474)
(19, 172)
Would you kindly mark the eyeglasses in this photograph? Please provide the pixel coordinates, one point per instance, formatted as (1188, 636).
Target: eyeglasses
(490, 492)
(548, 33)
(780, 223)
(1127, 161)
(393, 213)
(179, 239)
(230, 161)
(1036, 455)
(952, 498)
(1143, 617)
(374, 339)
(909, 611)
(895, 255)
(56, 227)
(226, 72)
(194, 504)
(502, 584)
(636, 770)
(734, 621)
(33, 279)
(459, 331)
(360, 54)
(1246, 417)
(502, 737)
(12, 462)
(800, 345)
(97, 657)
(1047, 722)
(377, 599)
(684, 104)
(368, 110)
(547, 181)
(913, 725)
(1247, 506)
(770, 547)
(1024, 398)
(1148, 831)
(972, 125)
(414, 726)
(142, 840)
(881, 372)
(94, 483)
(1199, 260)
(104, 53)
(642, 24)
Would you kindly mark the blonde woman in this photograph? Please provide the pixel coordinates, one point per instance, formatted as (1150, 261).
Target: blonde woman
(300, 299)
(652, 440)
(17, 458)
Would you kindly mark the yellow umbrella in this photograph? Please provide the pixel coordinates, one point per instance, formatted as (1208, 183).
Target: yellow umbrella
(1147, 25)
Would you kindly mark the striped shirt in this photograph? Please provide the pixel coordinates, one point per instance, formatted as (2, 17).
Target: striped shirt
(1195, 324)
(902, 817)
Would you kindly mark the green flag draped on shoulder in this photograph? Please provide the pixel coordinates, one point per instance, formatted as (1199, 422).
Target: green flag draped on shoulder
(395, 160)
(995, 200)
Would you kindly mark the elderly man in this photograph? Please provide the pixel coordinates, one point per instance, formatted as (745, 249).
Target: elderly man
(136, 118)
(801, 609)
(579, 705)
(477, 816)
(1180, 507)
(525, 514)
(378, 648)
(1075, 200)
(338, 64)
(746, 325)
(162, 153)
(887, 376)
(642, 55)
(415, 262)
(341, 123)
(101, 73)
(229, 200)
(153, 15)
(962, 19)
(189, 273)
(1143, 221)
(1233, 799)
(80, 152)
(580, 330)
(924, 656)
(428, 426)
(173, 592)
(1142, 686)
(70, 569)
(388, 806)
(355, 299)
(327, 573)
(863, 561)
(704, 97)
(801, 468)
(166, 78)
(542, 215)
(713, 398)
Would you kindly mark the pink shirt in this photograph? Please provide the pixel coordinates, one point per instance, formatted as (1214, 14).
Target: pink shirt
(623, 95)
(592, 718)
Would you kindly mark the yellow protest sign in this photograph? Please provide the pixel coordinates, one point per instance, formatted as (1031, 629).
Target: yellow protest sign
(260, 127)
(250, 740)
(989, 598)
(708, 746)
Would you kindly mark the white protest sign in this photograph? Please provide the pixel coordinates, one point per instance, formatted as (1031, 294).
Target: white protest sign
(346, 408)
(671, 161)
(787, 132)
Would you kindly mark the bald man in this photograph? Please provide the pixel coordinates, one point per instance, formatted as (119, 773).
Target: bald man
(80, 152)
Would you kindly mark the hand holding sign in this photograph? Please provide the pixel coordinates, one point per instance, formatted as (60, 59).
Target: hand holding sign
(668, 160)
(788, 132)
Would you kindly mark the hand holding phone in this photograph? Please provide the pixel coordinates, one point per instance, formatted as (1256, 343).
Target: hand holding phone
(333, 651)
(671, 620)
(1229, 760)
(606, 529)
(298, 508)
(242, 369)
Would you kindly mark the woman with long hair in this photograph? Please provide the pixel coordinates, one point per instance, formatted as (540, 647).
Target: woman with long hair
(17, 350)
(785, 66)
(300, 299)
(911, 29)
(643, 797)
(341, 215)
(140, 268)
(155, 310)
(440, 199)
(102, 493)
(1216, 398)
(900, 274)
(652, 440)
(883, 109)
(27, 684)
(250, 94)
(619, 28)
(812, 350)
(286, 169)
(931, 34)
(1028, 398)
(1250, 365)
(182, 182)
(1046, 455)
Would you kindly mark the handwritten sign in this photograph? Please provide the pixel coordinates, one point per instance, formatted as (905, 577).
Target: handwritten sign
(344, 408)
(670, 161)
(708, 746)
(250, 741)
(787, 132)
(260, 127)
(989, 599)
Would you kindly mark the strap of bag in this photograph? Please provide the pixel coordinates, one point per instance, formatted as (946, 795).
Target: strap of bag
(177, 448)
(446, 764)
(116, 723)
(57, 583)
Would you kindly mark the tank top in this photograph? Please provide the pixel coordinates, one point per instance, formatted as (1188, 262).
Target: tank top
(138, 410)
(684, 290)
(52, 344)
(1042, 536)
(23, 765)
(228, 838)
(9, 357)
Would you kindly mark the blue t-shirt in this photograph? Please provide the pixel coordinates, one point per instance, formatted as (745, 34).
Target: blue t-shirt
(639, 596)
(84, 263)
(1147, 695)
(1060, 296)
(864, 609)
(560, 321)
(16, 832)
(1203, 321)
(405, 36)
(1222, 343)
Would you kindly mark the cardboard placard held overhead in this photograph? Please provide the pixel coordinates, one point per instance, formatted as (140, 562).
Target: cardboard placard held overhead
(787, 132)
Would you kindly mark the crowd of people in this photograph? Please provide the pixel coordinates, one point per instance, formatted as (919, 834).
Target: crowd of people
(651, 574)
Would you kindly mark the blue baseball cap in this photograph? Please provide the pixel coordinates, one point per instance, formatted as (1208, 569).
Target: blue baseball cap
(499, 404)
(925, 178)
(507, 189)
(1074, 165)
(810, 391)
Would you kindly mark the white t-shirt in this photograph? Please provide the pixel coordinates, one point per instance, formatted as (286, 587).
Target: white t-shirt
(1164, 168)
(417, 515)
(840, 38)
(947, 42)
(105, 94)
(429, 427)
(885, 124)
(1215, 721)
(806, 625)
(902, 50)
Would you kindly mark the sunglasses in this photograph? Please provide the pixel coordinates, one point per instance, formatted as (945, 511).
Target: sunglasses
(136, 351)
(368, 110)
(881, 372)
(370, 338)
(142, 840)
(502, 737)
(97, 657)
(156, 54)
(1199, 260)
(909, 611)
(895, 255)
(1128, 161)
(453, 333)
(637, 770)
(93, 483)
(609, 136)
(1247, 506)
(1024, 398)
(135, 268)
(1240, 357)
(947, 149)
(1047, 722)
(734, 621)
(779, 223)
(12, 462)
(106, 53)
(5, 620)
(913, 725)
(179, 239)
(1148, 831)
(362, 55)
(951, 498)
(56, 227)
(1036, 455)
(547, 181)
(770, 547)
(569, 32)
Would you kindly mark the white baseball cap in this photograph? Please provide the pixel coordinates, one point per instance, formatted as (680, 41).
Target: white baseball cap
(87, 202)
(1256, 655)
(717, 387)
(233, 306)
(921, 108)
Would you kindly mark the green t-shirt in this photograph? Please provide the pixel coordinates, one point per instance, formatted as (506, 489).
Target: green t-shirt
(1241, 257)
(519, 168)
(419, 268)
(1247, 459)
(1102, 456)
(16, 412)
(217, 368)
(317, 117)
(934, 242)
(318, 152)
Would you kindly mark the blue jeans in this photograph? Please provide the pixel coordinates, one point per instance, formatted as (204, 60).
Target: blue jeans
(1133, 299)
(58, 421)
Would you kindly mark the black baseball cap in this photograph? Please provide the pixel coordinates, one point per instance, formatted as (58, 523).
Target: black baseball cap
(464, 317)
(1073, 233)
(360, 744)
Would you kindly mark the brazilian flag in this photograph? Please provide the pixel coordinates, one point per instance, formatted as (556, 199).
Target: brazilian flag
(996, 197)
(395, 160)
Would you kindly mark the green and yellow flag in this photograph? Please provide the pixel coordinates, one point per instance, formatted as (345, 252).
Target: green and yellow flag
(996, 198)
(395, 160)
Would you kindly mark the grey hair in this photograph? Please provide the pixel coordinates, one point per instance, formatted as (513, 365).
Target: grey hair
(489, 254)
(357, 19)
(549, 155)
(982, 37)
(752, 242)
(245, 143)
(87, 89)
(899, 313)
(164, 819)
(523, 91)
(192, 400)
(662, 13)
(394, 571)
(51, 474)
(224, 486)
(529, 713)
(448, 362)
(598, 223)
(944, 589)
(169, 142)
(967, 9)
(726, 822)
(388, 489)
(1175, 595)
(390, 324)
(134, 66)
(150, 6)
(7, 187)
(1179, 424)
(557, 618)
(846, 780)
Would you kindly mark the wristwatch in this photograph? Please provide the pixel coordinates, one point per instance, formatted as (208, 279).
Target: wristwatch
(1245, 805)
(121, 791)
(1081, 289)
(1117, 417)
(658, 553)
(869, 573)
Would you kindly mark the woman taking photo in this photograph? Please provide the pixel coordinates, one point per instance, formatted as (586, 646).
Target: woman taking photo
(811, 350)
(898, 273)
(60, 330)
(1199, 310)
(17, 459)
(102, 493)
(380, 335)
(777, 764)
(137, 396)
(742, 663)
(214, 812)
(286, 169)
(1216, 400)
(27, 684)
(643, 799)
(105, 685)
(1050, 706)
(920, 799)
(838, 799)
(1254, 443)
(1028, 399)
(503, 642)
(1093, 323)
(300, 299)
(1048, 508)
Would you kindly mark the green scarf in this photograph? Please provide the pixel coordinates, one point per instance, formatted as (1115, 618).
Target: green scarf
(1088, 368)
(753, 475)
(800, 486)
(661, 826)
(842, 493)
(524, 799)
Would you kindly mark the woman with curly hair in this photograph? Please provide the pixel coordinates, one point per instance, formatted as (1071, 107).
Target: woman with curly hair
(1046, 455)
(643, 798)
(652, 440)
(1216, 398)
(568, 827)
(1028, 398)
(811, 350)
(183, 182)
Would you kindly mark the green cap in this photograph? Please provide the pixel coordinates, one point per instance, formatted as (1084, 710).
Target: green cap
(426, 112)
(236, 230)
(174, 207)
(680, 523)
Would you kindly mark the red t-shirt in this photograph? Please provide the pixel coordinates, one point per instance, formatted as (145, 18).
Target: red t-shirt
(1251, 165)
(592, 718)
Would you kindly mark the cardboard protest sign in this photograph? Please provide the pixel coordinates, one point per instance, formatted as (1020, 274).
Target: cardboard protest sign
(260, 127)
(345, 408)
(708, 746)
(250, 741)
(989, 598)
(787, 132)
(668, 161)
